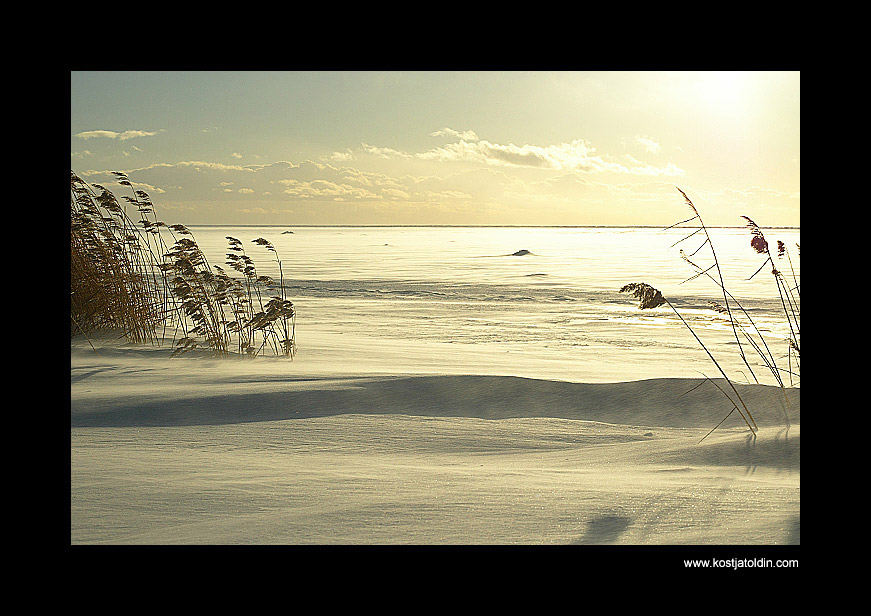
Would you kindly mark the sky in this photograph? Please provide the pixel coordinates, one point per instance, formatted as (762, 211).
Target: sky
(444, 148)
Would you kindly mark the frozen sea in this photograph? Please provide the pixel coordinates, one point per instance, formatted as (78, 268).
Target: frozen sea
(545, 294)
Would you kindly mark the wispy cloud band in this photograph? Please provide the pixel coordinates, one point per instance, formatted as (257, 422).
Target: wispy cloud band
(111, 134)
(578, 155)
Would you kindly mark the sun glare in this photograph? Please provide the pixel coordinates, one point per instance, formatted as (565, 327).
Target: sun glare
(724, 91)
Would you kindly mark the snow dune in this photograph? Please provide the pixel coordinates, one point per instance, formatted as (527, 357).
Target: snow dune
(198, 451)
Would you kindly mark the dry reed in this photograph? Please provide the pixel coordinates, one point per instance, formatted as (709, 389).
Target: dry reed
(744, 329)
(143, 278)
(115, 279)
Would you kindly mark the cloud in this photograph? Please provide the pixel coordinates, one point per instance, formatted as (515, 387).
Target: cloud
(634, 166)
(199, 165)
(149, 188)
(110, 134)
(489, 182)
(444, 195)
(395, 194)
(648, 144)
(321, 189)
(367, 178)
(524, 156)
(466, 135)
(345, 156)
(577, 155)
(384, 152)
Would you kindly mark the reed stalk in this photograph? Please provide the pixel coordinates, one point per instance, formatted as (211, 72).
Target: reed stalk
(789, 299)
(127, 277)
(651, 297)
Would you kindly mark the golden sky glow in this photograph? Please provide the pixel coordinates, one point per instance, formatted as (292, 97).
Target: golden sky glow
(493, 148)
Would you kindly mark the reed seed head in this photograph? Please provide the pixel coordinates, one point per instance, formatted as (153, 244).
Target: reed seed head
(757, 242)
(648, 296)
(688, 201)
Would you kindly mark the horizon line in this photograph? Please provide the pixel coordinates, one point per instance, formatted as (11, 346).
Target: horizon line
(489, 226)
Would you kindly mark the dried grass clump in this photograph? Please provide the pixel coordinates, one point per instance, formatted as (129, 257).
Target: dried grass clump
(744, 329)
(648, 296)
(150, 281)
(229, 314)
(115, 279)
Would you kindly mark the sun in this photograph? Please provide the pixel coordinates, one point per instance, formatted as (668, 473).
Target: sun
(724, 91)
